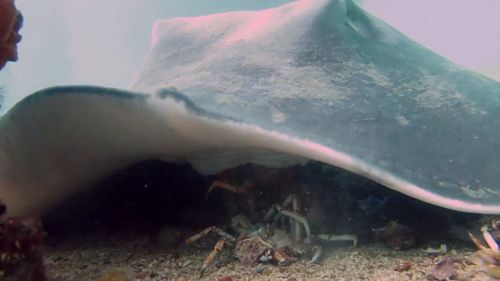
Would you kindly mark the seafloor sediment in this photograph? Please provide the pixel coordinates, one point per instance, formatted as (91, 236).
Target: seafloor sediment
(142, 259)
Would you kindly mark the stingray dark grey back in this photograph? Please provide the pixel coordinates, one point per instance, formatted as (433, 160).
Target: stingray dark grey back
(329, 72)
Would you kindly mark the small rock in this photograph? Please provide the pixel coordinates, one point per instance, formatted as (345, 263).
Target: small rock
(445, 269)
(140, 275)
(115, 275)
(403, 266)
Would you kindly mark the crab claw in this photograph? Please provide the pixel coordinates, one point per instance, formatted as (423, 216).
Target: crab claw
(281, 257)
(317, 251)
(482, 247)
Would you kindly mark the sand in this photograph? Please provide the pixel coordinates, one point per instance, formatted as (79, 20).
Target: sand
(90, 257)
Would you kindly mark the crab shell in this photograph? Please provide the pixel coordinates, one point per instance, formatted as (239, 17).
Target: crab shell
(249, 250)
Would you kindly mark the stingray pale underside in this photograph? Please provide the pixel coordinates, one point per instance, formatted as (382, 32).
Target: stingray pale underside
(317, 80)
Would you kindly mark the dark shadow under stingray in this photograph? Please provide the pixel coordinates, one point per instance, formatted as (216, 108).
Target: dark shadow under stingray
(153, 196)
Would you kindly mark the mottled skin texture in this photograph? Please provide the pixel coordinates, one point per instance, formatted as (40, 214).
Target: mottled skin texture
(11, 22)
(21, 256)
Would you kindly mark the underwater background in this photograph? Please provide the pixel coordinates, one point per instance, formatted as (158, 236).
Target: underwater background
(160, 220)
(59, 34)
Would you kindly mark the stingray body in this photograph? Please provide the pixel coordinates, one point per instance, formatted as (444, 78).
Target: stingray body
(318, 80)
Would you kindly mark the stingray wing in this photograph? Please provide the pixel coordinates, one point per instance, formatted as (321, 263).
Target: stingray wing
(316, 80)
(328, 72)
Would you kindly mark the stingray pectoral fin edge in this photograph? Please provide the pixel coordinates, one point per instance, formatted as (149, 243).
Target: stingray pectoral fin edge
(61, 140)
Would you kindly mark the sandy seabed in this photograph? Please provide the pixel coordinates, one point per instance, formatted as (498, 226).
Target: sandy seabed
(139, 259)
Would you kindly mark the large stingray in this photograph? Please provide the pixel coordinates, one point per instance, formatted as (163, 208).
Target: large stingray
(313, 79)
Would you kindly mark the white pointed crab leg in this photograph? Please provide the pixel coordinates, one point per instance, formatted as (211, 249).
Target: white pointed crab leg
(295, 206)
(441, 250)
(289, 201)
(489, 239)
(270, 214)
(277, 211)
(344, 237)
(298, 218)
(483, 248)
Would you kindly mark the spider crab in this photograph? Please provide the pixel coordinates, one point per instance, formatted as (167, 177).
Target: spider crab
(488, 257)
(283, 238)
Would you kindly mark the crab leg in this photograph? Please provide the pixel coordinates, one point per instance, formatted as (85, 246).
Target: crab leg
(291, 200)
(217, 248)
(213, 254)
(278, 211)
(297, 218)
(489, 239)
(206, 231)
(344, 237)
(483, 248)
(271, 214)
(288, 200)
(295, 206)
(226, 186)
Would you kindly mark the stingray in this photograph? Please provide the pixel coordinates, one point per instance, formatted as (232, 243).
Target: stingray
(310, 80)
